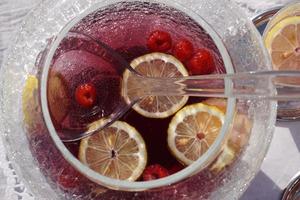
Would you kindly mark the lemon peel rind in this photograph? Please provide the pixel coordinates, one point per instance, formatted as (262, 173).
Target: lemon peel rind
(276, 29)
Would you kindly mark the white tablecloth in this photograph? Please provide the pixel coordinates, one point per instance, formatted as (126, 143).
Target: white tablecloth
(280, 165)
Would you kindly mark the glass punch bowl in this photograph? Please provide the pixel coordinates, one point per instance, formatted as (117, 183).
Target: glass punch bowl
(45, 165)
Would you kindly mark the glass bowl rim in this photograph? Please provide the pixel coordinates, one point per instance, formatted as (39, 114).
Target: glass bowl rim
(189, 171)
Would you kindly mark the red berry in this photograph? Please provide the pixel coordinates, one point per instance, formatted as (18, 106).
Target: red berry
(183, 50)
(85, 95)
(153, 172)
(201, 63)
(159, 41)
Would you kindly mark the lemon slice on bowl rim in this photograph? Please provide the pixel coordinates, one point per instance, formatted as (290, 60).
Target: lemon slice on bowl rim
(283, 43)
(155, 65)
(193, 130)
(283, 35)
(117, 151)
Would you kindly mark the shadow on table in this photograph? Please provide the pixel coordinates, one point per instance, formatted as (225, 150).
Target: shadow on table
(294, 128)
(263, 188)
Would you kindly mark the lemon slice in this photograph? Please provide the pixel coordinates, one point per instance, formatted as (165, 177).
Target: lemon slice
(155, 65)
(58, 98)
(117, 152)
(283, 44)
(238, 136)
(238, 139)
(227, 156)
(30, 101)
(218, 102)
(193, 130)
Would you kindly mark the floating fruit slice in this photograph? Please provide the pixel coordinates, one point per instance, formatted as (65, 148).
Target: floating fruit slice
(31, 111)
(118, 152)
(283, 44)
(239, 133)
(218, 102)
(155, 65)
(227, 156)
(193, 130)
(58, 98)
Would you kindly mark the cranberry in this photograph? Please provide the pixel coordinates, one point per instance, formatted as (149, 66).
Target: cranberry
(183, 50)
(85, 95)
(201, 63)
(159, 41)
(153, 172)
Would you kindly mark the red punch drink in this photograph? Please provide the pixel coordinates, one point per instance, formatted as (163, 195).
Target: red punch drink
(160, 135)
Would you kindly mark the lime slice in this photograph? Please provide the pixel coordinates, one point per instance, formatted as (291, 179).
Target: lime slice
(118, 152)
(155, 65)
(193, 130)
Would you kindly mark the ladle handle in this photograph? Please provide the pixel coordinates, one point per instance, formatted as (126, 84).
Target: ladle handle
(246, 85)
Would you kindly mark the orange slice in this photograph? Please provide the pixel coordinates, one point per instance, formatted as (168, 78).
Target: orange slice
(193, 130)
(117, 152)
(155, 65)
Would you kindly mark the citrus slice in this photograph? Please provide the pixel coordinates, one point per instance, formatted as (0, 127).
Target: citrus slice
(193, 130)
(30, 102)
(58, 98)
(238, 136)
(283, 44)
(117, 152)
(226, 157)
(218, 102)
(155, 65)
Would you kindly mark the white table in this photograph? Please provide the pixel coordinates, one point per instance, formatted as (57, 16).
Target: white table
(280, 165)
